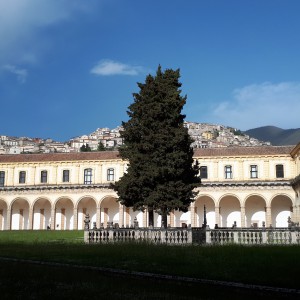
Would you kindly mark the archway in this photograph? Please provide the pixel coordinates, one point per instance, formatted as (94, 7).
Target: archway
(20, 214)
(209, 204)
(255, 211)
(64, 217)
(41, 214)
(3, 215)
(281, 207)
(182, 219)
(109, 210)
(230, 211)
(86, 205)
(139, 217)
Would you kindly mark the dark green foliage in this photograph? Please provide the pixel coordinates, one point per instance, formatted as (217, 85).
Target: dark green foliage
(101, 147)
(237, 132)
(85, 148)
(161, 175)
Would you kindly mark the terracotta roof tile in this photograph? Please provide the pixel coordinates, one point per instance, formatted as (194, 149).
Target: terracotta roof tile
(57, 157)
(244, 151)
(107, 155)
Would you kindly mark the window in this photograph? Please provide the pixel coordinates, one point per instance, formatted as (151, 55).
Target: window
(66, 175)
(279, 171)
(228, 172)
(110, 174)
(2, 178)
(44, 176)
(253, 171)
(22, 177)
(88, 176)
(203, 172)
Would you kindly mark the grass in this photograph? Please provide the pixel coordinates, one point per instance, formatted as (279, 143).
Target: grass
(265, 265)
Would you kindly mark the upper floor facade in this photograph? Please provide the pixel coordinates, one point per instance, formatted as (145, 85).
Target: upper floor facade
(232, 164)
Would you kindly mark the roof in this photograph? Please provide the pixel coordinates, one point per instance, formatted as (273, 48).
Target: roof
(296, 150)
(244, 151)
(59, 157)
(112, 155)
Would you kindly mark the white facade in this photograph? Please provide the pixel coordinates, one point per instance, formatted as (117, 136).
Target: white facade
(244, 187)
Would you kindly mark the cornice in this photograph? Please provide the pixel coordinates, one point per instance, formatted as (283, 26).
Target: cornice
(239, 184)
(55, 188)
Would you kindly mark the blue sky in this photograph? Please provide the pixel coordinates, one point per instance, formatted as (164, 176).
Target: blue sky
(68, 67)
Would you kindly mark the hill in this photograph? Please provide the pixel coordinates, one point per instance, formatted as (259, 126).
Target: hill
(277, 136)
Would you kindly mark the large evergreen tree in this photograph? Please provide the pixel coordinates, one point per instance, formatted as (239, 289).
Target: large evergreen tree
(161, 174)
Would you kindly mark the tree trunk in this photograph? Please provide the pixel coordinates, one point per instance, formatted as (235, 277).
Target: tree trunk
(164, 220)
(151, 217)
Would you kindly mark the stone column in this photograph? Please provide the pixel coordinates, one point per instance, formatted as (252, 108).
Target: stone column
(195, 217)
(127, 215)
(98, 217)
(193, 212)
(105, 216)
(1, 219)
(75, 218)
(30, 218)
(145, 215)
(42, 219)
(297, 217)
(217, 215)
(121, 215)
(268, 216)
(172, 218)
(53, 218)
(21, 219)
(243, 213)
(8, 222)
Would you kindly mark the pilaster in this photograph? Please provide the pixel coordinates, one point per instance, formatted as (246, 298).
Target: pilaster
(52, 219)
(268, 216)
(30, 218)
(145, 218)
(98, 217)
(192, 210)
(243, 214)
(8, 223)
(75, 219)
(121, 215)
(217, 215)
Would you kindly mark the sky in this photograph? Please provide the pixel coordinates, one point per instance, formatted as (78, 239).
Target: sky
(68, 67)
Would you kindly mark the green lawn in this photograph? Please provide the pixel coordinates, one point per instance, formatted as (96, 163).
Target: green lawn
(276, 266)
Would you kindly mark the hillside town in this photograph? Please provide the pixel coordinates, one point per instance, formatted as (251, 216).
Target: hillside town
(204, 135)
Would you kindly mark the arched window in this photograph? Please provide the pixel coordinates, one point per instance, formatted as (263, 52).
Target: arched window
(88, 174)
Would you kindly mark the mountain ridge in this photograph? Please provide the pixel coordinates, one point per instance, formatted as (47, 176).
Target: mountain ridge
(275, 135)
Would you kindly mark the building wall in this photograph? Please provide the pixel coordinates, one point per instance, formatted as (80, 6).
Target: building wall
(240, 201)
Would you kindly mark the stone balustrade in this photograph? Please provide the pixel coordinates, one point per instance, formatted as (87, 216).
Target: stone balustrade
(155, 235)
(250, 236)
(199, 236)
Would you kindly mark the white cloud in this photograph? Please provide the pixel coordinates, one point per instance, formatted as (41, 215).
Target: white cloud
(20, 73)
(22, 23)
(108, 67)
(261, 105)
